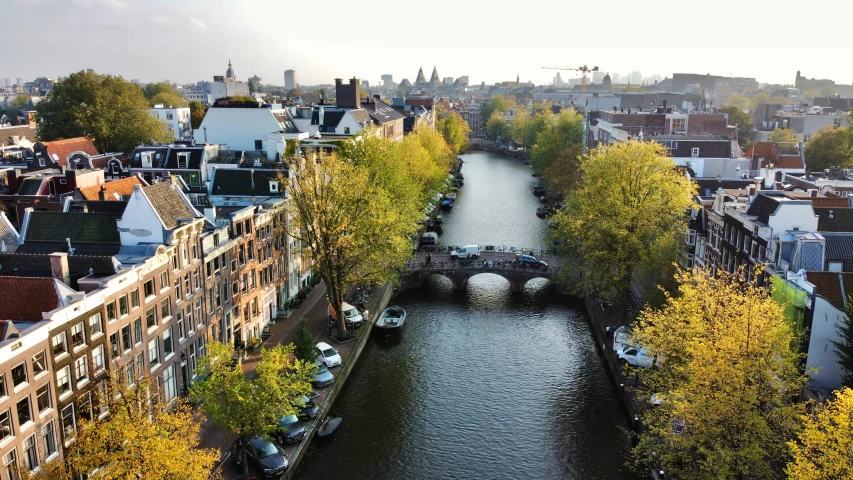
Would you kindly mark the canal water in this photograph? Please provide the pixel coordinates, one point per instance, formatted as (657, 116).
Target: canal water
(480, 384)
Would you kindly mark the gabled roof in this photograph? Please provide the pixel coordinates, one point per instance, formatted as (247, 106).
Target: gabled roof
(89, 233)
(169, 204)
(63, 148)
(245, 181)
(380, 111)
(762, 207)
(122, 188)
(772, 153)
(834, 219)
(38, 265)
(839, 246)
(20, 131)
(8, 235)
(166, 157)
(828, 285)
(25, 298)
(97, 206)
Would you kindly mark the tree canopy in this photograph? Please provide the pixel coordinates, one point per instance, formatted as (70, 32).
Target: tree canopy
(455, 130)
(823, 447)
(829, 147)
(497, 127)
(726, 379)
(559, 133)
(163, 94)
(629, 200)
(743, 121)
(110, 110)
(497, 103)
(197, 112)
(782, 135)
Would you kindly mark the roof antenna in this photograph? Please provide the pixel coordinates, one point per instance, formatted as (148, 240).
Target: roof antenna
(70, 250)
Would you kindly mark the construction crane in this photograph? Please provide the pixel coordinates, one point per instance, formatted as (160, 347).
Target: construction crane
(584, 69)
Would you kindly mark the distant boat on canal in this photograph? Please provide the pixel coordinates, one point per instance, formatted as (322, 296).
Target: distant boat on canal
(391, 321)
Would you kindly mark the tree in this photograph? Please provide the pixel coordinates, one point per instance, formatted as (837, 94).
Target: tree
(823, 447)
(110, 110)
(844, 346)
(739, 101)
(497, 103)
(455, 130)
(251, 406)
(252, 87)
(563, 173)
(829, 147)
(323, 94)
(630, 199)
(726, 378)
(782, 135)
(197, 112)
(163, 94)
(563, 132)
(742, 120)
(305, 346)
(497, 127)
(20, 102)
(140, 438)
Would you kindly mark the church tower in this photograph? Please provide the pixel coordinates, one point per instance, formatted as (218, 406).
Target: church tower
(229, 74)
(420, 81)
(434, 81)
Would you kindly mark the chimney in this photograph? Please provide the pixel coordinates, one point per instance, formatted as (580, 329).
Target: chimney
(59, 267)
(102, 193)
(758, 182)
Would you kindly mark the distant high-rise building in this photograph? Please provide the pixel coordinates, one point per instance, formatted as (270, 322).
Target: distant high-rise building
(558, 80)
(387, 81)
(290, 79)
(448, 80)
(615, 78)
(8, 82)
(597, 77)
(636, 78)
(19, 81)
(365, 84)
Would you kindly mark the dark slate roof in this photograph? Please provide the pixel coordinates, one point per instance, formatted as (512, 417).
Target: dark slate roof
(762, 207)
(80, 248)
(104, 206)
(380, 111)
(31, 186)
(239, 182)
(710, 146)
(79, 227)
(839, 246)
(8, 234)
(20, 131)
(828, 285)
(168, 203)
(331, 119)
(712, 184)
(168, 158)
(25, 298)
(38, 265)
(841, 221)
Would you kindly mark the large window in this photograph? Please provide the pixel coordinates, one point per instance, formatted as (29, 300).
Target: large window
(96, 325)
(125, 337)
(114, 346)
(98, 357)
(63, 380)
(151, 317)
(164, 279)
(171, 389)
(31, 456)
(137, 331)
(148, 288)
(48, 434)
(10, 461)
(122, 306)
(111, 311)
(134, 298)
(154, 352)
(59, 345)
(165, 308)
(78, 336)
(43, 398)
(6, 424)
(140, 363)
(3, 391)
(168, 347)
(19, 374)
(25, 412)
(81, 370)
(69, 422)
(39, 364)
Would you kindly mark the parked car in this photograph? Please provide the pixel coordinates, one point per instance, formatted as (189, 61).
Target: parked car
(265, 458)
(621, 337)
(353, 316)
(289, 430)
(467, 252)
(328, 355)
(310, 410)
(637, 356)
(532, 262)
(323, 377)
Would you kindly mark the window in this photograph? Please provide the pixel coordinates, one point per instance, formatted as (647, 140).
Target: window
(48, 434)
(198, 315)
(679, 125)
(165, 308)
(111, 311)
(10, 460)
(168, 347)
(137, 331)
(183, 157)
(19, 374)
(196, 280)
(5, 424)
(63, 381)
(96, 326)
(251, 250)
(164, 283)
(114, 346)
(69, 422)
(154, 352)
(210, 299)
(140, 363)
(189, 318)
(694, 152)
(98, 357)
(836, 266)
(235, 288)
(169, 382)
(59, 345)
(122, 305)
(218, 295)
(134, 297)
(252, 280)
(3, 392)
(25, 413)
(31, 458)
(259, 145)
(151, 317)
(78, 337)
(81, 370)
(43, 397)
(164, 280)
(125, 337)
(244, 283)
(148, 288)
(178, 294)
(187, 290)
(39, 364)
(103, 405)
(691, 237)
(130, 374)
(180, 325)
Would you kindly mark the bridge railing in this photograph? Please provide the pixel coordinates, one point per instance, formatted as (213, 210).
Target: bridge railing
(489, 249)
(478, 264)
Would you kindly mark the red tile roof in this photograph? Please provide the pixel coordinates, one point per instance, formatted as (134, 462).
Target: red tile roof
(828, 285)
(63, 148)
(771, 154)
(121, 187)
(25, 298)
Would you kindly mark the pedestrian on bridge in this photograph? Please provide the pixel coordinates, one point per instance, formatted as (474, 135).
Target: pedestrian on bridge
(428, 260)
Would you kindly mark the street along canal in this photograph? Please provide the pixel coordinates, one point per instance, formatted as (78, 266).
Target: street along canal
(480, 384)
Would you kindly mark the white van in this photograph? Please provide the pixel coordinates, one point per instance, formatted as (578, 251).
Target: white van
(468, 251)
(352, 315)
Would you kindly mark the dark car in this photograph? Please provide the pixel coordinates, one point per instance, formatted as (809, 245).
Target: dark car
(289, 430)
(310, 410)
(530, 261)
(323, 377)
(265, 458)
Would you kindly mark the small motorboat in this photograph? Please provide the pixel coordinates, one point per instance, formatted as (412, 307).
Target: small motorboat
(451, 196)
(447, 204)
(391, 321)
(542, 212)
(329, 425)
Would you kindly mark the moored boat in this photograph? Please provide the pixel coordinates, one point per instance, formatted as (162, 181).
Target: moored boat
(391, 321)
(447, 204)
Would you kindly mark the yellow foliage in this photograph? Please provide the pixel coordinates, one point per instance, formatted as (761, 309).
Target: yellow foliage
(824, 448)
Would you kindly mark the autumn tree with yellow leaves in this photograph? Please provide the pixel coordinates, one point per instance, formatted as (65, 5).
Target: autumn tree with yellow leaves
(726, 381)
(824, 447)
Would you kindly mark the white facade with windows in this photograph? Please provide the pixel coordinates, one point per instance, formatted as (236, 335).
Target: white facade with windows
(176, 118)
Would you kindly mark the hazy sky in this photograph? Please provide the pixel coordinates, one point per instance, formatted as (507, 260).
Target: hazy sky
(189, 40)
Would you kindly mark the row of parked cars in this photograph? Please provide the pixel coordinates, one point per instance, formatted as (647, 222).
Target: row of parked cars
(266, 457)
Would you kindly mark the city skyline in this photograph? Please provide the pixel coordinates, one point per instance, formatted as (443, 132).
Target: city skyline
(139, 42)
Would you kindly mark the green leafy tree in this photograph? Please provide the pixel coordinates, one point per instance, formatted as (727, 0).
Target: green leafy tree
(630, 198)
(163, 94)
(197, 112)
(455, 130)
(497, 127)
(782, 135)
(20, 102)
(497, 103)
(323, 94)
(743, 121)
(726, 378)
(251, 406)
(305, 346)
(823, 447)
(565, 131)
(110, 110)
(252, 87)
(829, 147)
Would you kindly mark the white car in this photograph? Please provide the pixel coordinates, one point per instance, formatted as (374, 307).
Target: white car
(466, 252)
(621, 337)
(328, 355)
(637, 357)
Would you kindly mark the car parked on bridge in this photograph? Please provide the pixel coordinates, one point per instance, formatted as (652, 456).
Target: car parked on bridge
(467, 252)
(530, 261)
